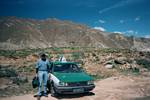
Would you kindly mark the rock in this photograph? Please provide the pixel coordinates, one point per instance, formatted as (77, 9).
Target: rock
(120, 60)
(109, 66)
(125, 66)
(143, 70)
(32, 58)
(3, 86)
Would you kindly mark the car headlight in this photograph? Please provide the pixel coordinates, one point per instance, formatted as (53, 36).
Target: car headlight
(90, 82)
(63, 84)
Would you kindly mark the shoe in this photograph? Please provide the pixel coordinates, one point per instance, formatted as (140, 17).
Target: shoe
(39, 95)
(36, 95)
(45, 95)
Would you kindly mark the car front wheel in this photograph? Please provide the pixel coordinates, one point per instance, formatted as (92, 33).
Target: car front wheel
(53, 92)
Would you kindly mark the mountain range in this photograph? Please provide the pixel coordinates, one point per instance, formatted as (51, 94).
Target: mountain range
(23, 33)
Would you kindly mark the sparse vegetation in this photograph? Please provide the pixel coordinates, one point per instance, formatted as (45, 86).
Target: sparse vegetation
(20, 80)
(144, 63)
(26, 69)
(76, 55)
(7, 72)
(92, 60)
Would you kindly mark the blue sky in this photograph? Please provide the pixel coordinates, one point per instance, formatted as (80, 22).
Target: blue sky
(129, 17)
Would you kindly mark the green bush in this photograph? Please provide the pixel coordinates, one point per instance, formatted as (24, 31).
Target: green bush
(20, 80)
(7, 72)
(144, 63)
(76, 55)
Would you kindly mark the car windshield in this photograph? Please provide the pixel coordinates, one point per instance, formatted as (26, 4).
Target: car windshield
(66, 68)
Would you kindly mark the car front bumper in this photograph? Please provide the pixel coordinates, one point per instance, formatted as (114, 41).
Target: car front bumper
(71, 90)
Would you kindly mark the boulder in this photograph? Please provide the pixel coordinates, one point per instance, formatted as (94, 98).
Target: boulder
(120, 60)
(109, 66)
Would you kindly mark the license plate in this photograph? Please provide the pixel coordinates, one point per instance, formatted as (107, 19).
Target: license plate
(78, 90)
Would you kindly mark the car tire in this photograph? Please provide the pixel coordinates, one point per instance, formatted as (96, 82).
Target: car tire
(52, 90)
(49, 87)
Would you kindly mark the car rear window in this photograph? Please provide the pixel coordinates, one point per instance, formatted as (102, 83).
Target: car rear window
(66, 68)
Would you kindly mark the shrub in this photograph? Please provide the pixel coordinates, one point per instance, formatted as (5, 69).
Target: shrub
(20, 80)
(7, 72)
(76, 55)
(144, 63)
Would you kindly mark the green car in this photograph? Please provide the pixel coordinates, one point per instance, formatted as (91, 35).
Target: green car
(68, 78)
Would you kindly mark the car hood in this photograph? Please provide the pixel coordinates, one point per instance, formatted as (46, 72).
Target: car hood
(73, 77)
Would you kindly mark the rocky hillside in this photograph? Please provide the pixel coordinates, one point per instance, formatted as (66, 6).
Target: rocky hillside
(20, 33)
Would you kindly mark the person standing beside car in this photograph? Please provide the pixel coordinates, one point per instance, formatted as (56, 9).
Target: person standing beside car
(42, 69)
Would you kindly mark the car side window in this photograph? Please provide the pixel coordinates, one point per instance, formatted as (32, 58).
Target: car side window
(51, 67)
(74, 67)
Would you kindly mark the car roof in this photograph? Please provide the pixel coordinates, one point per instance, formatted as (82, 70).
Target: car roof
(58, 62)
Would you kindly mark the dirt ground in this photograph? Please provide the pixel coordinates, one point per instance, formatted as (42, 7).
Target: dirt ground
(114, 88)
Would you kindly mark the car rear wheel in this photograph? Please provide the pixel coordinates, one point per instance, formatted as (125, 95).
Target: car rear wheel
(49, 86)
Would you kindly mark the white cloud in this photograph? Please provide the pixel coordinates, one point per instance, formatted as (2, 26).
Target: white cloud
(119, 4)
(121, 21)
(118, 32)
(131, 32)
(102, 21)
(128, 32)
(100, 28)
(137, 18)
(147, 36)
